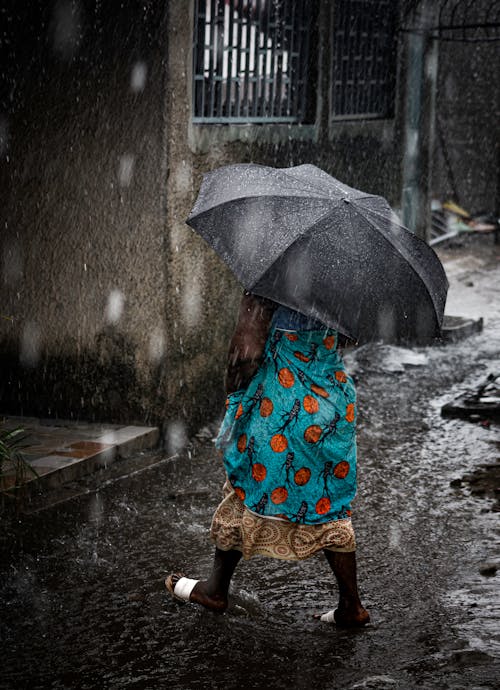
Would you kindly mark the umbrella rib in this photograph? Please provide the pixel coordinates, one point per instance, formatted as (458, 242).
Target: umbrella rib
(247, 197)
(301, 236)
(402, 250)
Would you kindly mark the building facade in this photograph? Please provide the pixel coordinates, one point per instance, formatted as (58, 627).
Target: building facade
(112, 308)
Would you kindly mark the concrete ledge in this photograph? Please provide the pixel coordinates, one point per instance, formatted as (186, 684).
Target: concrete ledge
(458, 327)
(62, 451)
(130, 439)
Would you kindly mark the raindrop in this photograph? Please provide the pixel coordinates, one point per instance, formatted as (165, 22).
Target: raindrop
(386, 323)
(394, 536)
(138, 77)
(191, 302)
(298, 276)
(12, 264)
(156, 345)
(114, 306)
(176, 437)
(431, 65)
(412, 143)
(126, 169)
(182, 178)
(4, 135)
(29, 350)
(66, 28)
(95, 508)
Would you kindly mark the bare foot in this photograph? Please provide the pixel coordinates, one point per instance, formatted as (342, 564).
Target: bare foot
(354, 616)
(346, 616)
(201, 594)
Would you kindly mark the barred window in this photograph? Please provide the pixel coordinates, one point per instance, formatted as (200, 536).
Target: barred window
(251, 60)
(363, 59)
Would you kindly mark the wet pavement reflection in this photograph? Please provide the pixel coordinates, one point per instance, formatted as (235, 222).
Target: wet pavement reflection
(82, 594)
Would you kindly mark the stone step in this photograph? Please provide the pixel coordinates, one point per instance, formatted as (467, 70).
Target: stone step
(59, 451)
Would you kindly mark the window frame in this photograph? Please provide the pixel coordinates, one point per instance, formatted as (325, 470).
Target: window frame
(372, 117)
(303, 120)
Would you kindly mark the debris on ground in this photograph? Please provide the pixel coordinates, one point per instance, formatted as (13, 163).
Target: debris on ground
(480, 405)
(457, 327)
(450, 220)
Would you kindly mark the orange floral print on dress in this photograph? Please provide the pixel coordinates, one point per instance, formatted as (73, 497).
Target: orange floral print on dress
(278, 443)
(242, 443)
(279, 495)
(320, 391)
(349, 412)
(239, 492)
(266, 407)
(311, 405)
(341, 469)
(259, 472)
(291, 451)
(302, 476)
(286, 378)
(313, 433)
(329, 342)
(323, 505)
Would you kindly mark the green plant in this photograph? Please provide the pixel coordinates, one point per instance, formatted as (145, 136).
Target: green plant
(14, 468)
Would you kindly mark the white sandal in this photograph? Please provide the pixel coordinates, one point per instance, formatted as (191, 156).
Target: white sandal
(182, 588)
(328, 617)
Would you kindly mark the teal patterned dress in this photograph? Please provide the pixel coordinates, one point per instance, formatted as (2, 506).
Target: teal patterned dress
(289, 438)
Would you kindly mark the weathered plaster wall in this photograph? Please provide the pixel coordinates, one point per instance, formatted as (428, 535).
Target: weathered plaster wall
(83, 220)
(101, 168)
(468, 109)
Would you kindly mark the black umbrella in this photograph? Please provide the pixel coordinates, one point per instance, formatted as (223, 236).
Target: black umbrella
(302, 238)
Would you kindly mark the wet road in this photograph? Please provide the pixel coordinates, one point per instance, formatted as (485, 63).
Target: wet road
(82, 596)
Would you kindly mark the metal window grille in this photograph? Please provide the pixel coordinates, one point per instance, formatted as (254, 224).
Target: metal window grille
(363, 59)
(250, 60)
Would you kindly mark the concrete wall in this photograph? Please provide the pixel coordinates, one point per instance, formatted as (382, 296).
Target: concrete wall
(83, 218)
(119, 311)
(468, 110)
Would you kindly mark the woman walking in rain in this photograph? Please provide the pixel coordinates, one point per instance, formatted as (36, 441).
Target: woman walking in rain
(338, 255)
(289, 448)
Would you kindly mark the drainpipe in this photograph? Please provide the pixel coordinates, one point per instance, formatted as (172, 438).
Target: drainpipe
(421, 80)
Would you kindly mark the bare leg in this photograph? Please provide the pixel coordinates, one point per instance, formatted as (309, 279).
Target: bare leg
(213, 592)
(350, 612)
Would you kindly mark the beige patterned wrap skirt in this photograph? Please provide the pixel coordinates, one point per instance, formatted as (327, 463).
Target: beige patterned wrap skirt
(234, 526)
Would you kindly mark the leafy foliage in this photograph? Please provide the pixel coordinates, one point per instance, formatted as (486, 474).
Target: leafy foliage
(14, 468)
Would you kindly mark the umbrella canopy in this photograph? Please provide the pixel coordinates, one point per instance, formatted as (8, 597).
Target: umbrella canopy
(302, 238)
